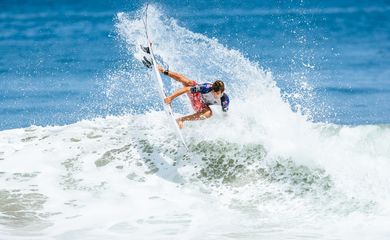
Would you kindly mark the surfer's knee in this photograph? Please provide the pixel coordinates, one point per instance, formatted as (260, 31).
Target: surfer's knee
(188, 83)
(207, 113)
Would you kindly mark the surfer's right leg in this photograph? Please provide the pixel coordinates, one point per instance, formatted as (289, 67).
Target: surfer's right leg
(204, 114)
(178, 77)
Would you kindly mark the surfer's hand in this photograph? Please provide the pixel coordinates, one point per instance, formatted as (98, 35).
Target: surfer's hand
(160, 69)
(168, 100)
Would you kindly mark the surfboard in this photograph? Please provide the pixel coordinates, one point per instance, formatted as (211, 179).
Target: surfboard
(157, 76)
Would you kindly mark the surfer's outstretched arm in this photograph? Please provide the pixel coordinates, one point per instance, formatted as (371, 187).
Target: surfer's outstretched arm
(177, 76)
(177, 93)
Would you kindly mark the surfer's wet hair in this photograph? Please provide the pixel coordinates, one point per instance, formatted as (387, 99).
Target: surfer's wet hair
(218, 85)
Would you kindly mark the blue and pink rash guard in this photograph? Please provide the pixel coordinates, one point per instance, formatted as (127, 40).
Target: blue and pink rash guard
(201, 96)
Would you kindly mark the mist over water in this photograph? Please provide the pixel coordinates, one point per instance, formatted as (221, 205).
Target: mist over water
(266, 172)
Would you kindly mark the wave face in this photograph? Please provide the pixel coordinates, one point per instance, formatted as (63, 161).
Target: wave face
(262, 171)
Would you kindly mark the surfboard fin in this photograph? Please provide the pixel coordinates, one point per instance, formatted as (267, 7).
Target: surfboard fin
(145, 49)
(147, 62)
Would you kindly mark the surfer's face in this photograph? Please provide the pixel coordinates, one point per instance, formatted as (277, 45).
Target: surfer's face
(217, 94)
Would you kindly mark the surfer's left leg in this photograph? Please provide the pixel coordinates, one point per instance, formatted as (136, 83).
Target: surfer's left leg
(204, 114)
(177, 76)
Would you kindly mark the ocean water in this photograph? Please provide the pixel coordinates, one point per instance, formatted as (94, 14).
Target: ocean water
(86, 151)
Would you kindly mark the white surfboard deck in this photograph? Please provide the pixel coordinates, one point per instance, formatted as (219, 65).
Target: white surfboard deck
(167, 107)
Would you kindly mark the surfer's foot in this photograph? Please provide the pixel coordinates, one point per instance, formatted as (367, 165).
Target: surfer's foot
(147, 62)
(180, 123)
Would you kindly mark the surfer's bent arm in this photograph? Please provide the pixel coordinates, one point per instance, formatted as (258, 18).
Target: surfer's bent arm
(177, 93)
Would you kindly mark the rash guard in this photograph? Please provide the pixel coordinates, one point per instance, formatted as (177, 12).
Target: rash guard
(207, 97)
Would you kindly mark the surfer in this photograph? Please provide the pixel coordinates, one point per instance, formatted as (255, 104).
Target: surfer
(201, 96)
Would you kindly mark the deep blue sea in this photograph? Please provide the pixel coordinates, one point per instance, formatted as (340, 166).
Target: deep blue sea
(330, 58)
